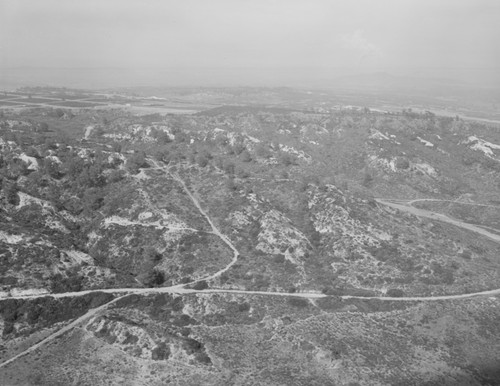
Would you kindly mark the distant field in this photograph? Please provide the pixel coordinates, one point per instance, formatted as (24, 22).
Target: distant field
(244, 109)
(73, 104)
(168, 106)
(34, 100)
(106, 100)
(162, 110)
(70, 97)
(99, 100)
(8, 103)
(13, 95)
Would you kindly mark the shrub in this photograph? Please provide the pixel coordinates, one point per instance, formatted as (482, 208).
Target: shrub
(245, 156)
(117, 147)
(136, 161)
(72, 283)
(263, 151)
(115, 176)
(201, 285)
(10, 192)
(203, 358)
(202, 160)
(229, 167)
(152, 255)
(43, 127)
(330, 303)
(230, 185)
(466, 254)
(160, 352)
(395, 293)
(402, 163)
(238, 148)
(279, 259)
(287, 159)
(243, 307)
(152, 278)
(298, 302)
(367, 180)
(242, 173)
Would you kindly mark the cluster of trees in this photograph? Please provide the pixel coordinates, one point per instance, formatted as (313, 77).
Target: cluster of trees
(9, 190)
(148, 275)
(471, 157)
(305, 222)
(46, 311)
(61, 176)
(71, 282)
(136, 161)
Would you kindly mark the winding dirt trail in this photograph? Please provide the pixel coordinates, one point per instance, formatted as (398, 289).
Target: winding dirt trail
(177, 289)
(215, 231)
(181, 288)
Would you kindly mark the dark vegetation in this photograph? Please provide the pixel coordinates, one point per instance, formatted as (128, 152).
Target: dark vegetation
(244, 151)
(25, 316)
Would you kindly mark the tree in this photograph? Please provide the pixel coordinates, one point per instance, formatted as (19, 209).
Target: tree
(287, 159)
(54, 196)
(263, 151)
(72, 283)
(52, 168)
(163, 138)
(148, 275)
(43, 127)
(32, 152)
(242, 173)
(201, 285)
(10, 191)
(367, 180)
(98, 131)
(115, 176)
(35, 181)
(150, 254)
(160, 352)
(230, 185)
(91, 176)
(136, 161)
(18, 168)
(202, 160)
(163, 155)
(238, 148)
(93, 199)
(73, 205)
(229, 167)
(117, 147)
(395, 293)
(402, 163)
(245, 156)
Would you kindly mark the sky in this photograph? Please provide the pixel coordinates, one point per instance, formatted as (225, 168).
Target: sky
(272, 37)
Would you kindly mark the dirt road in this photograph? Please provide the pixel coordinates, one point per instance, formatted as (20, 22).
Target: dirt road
(397, 204)
(181, 288)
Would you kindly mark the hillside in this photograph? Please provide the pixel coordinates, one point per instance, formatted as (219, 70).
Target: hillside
(117, 223)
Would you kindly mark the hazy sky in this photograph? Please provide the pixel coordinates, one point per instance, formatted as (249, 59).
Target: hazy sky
(357, 34)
